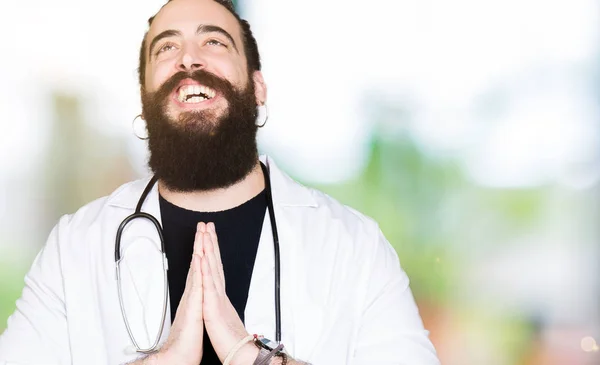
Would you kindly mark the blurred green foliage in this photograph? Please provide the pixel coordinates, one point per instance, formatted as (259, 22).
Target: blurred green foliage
(403, 191)
(11, 285)
(427, 208)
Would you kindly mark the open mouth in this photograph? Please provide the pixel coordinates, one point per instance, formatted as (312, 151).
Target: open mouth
(191, 94)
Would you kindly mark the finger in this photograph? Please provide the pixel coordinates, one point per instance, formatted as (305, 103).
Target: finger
(198, 239)
(188, 281)
(212, 263)
(210, 227)
(194, 280)
(196, 274)
(193, 285)
(200, 229)
(208, 283)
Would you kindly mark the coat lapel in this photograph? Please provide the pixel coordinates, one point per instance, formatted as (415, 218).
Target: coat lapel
(260, 307)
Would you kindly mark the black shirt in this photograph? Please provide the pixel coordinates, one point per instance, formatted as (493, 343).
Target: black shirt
(238, 232)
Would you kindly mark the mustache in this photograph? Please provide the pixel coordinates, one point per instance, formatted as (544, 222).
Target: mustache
(208, 79)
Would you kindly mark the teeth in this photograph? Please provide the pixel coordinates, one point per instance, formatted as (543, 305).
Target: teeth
(186, 90)
(207, 91)
(195, 99)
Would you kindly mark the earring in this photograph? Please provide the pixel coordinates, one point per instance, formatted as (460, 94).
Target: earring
(262, 109)
(139, 129)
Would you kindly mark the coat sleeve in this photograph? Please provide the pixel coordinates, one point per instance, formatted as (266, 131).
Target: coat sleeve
(391, 330)
(37, 331)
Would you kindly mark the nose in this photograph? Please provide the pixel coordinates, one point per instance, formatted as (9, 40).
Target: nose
(191, 59)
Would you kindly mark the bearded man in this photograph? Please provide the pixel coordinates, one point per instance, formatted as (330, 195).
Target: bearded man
(261, 270)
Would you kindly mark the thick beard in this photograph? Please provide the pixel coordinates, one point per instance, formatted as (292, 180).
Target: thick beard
(201, 151)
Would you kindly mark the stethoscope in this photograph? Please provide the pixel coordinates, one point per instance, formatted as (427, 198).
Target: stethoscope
(139, 214)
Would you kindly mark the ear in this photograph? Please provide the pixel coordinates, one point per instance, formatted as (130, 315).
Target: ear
(260, 88)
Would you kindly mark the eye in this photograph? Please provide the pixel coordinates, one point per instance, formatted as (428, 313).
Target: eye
(214, 42)
(165, 48)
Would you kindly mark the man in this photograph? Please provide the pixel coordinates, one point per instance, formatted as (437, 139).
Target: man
(343, 296)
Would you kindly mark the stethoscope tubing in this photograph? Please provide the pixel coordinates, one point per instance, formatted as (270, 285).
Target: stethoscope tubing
(276, 251)
(139, 214)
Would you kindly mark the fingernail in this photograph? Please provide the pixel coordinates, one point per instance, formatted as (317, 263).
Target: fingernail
(211, 226)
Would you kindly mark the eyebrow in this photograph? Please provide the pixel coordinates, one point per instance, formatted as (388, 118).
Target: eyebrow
(202, 29)
(165, 34)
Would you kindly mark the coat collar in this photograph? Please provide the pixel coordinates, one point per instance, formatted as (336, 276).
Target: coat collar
(286, 191)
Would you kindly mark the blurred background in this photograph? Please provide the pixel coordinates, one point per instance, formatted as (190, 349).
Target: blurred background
(470, 130)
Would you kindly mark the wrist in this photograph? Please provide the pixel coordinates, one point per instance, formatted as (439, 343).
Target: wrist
(246, 355)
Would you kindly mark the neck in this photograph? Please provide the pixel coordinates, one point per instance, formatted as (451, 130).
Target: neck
(218, 199)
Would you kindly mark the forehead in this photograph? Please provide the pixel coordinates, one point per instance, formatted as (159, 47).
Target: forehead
(186, 15)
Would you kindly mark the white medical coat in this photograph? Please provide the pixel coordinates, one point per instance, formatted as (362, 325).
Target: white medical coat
(344, 297)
